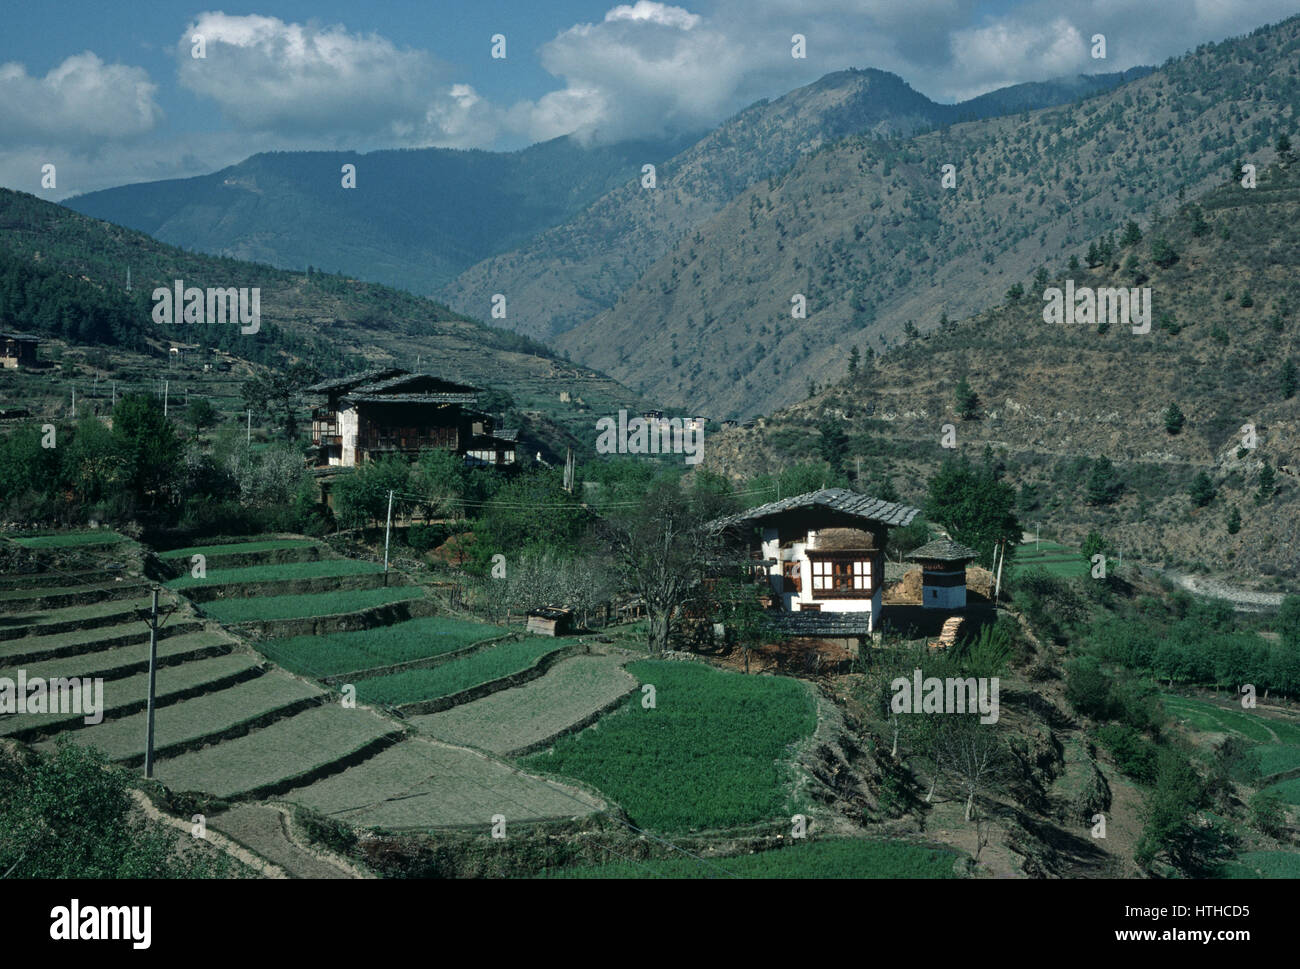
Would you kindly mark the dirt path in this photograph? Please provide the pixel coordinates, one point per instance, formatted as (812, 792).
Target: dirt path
(267, 829)
(241, 854)
(1243, 600)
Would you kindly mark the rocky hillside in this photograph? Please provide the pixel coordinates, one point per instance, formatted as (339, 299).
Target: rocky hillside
(1224, 277)
(575, 270)
(866, 231)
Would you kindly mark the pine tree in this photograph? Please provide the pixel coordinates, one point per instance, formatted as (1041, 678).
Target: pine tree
(967, 401)
(1174, 419)
(1288, 379)
(854, 357)
(1132, 234)
(1234, 521)
(1202, 490)
(1267, 484)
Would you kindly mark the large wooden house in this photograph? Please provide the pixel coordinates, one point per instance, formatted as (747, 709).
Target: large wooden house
(822, 555)
(391, 411)
(17, 350)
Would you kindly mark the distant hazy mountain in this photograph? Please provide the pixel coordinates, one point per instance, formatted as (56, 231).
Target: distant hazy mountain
(415, 219)
(867, 232)
(568, 274)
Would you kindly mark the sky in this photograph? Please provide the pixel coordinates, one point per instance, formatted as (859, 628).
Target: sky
(113, 93)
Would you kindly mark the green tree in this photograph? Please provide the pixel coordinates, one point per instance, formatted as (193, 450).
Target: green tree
(1267, 484)
(201, 414)
(833, 443)
(1103, 487)
(854, 357)
(975, 506)
(1094, 544)
(966, 401)
(69, 814)
(1016, 292)
(1172, 830)
(1162, 253)
(1234, 521)
(1288, 381)
(1131, 236)
(1202, 490)
(1174, 419)
(361, 497)
(149, 447)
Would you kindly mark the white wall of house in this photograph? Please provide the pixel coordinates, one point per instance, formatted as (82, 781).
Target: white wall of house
(348, 428)
(794, 601)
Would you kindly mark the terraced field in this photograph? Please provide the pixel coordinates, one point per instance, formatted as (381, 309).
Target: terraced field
(524, 717)
(413, 686)
(838, 858)
(240, 548)
(340, 653)
(1053, 558)
(209, 717)
(420, 784)
(280, 756)
(326, 568)
(306, 605)
(712, 752)
(99, 536)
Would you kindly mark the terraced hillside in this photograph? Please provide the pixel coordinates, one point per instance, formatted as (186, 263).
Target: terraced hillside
(230, 725)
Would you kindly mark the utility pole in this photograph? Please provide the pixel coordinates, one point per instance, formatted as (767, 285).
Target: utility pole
(153, 673)
(114, 404)
(74, 403)
(166, 388)
(1036, 527)
(249, 441)
(997, 585)
(388, 528)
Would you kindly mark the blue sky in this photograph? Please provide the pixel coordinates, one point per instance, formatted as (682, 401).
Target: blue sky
(111, 94)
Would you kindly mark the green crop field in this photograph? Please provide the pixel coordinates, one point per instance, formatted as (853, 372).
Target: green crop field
(100, 536)
(265, 545)
(1263, 864)
(1288, 791)
(278, 573)
(837, 858)
(337, 653)
(487, 664)
(1276, 758)
(711, 753)
(1053, 558)
(283, 750)
(1207, 717)
(298, 607)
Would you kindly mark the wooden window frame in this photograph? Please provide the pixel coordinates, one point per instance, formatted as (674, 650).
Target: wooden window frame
(846, 569)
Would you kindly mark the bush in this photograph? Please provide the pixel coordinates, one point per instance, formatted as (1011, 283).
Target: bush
(1134, 754)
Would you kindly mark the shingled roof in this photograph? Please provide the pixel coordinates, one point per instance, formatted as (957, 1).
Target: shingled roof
(449, 398)
(943, 550)
(829, 499)
(354, 380)
(825, 625)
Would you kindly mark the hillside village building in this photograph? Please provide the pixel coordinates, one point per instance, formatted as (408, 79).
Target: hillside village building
(943, 573)
(391, 411)
(17, 350)
(822, 554)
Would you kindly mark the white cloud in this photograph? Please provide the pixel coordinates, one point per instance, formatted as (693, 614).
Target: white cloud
(266, 74)
(1009, 52)
(78, 104)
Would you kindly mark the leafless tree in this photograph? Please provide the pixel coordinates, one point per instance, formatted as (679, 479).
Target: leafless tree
(663, 547)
